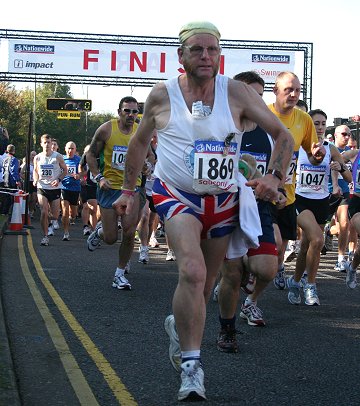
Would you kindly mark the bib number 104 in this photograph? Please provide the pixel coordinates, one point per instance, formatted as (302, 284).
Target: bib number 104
(214, 168)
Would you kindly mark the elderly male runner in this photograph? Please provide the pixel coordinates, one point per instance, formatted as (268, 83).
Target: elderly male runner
(200, 117)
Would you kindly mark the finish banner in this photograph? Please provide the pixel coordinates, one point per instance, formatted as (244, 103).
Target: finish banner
(146, 61)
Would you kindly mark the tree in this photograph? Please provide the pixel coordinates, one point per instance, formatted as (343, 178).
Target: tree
(15, 109)
(12, 116)
(46, 122)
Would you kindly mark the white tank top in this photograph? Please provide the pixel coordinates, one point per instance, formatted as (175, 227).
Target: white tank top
(187, 143)
(312, 181)
(49, 170)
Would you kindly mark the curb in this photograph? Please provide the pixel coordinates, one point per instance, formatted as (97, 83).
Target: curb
(9, 393)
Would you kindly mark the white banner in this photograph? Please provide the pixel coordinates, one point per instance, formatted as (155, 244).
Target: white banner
(132, 61)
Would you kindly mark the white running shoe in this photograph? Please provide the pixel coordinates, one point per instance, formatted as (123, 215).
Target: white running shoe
(94, 239)
(86, 230)
(294, 291)
(120, 282)
(45, 241)
(304, 280)
(192, 381)
(340, 266)
(310, 294)
(252, 314)
(66, 237)
(351, 281)
(280, 279)
(55, 224)
(174, 347)
(160, 231)
(153, 243)
(50, 230)
(328, 238)
(144, 255)
(170, 256)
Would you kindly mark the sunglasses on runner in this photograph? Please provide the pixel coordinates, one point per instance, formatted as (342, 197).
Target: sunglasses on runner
(130, 111)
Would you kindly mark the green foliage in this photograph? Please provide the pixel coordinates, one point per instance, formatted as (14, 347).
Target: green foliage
(17, 105)
(11, 115)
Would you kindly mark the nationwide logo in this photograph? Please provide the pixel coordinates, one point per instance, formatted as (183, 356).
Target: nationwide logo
(263, 58)
(34, 49)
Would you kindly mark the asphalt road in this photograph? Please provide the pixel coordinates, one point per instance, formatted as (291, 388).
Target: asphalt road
(77, 341)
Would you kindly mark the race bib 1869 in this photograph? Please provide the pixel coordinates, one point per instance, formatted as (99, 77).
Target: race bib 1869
(214, 171)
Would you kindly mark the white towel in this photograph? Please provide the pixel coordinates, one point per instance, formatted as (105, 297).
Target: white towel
(247, 234)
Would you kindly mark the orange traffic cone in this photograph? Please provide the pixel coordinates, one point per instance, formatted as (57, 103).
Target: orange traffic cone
(16, 224)
(25, 213)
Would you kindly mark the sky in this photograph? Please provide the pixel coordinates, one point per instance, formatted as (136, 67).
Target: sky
(332, 26)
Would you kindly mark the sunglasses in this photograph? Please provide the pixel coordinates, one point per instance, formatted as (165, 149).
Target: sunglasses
(130, 111)
(345, 134)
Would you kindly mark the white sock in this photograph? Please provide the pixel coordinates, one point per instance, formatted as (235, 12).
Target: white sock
(190, 354)
(119, 272)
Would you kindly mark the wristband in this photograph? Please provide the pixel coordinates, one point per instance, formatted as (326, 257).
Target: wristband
(275, 172)
(128, 192)
(342, 168)
(282, 190)
(98, 177)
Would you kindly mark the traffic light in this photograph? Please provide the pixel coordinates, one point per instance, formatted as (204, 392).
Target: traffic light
(68, 105)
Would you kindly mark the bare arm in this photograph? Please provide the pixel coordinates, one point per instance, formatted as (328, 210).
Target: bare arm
(102, 134)
(97, 144)
(349, 155)
(149, 163)
(82, 170)
(23, 171)
(63, 166)
(64, 172)
(139, 144)
(338, 164)
(253, 108)
(35, 171)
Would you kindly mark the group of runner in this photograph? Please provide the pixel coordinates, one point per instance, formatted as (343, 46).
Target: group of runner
(220, 213)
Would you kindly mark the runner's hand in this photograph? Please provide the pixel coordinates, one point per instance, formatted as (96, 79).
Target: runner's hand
(123, 204)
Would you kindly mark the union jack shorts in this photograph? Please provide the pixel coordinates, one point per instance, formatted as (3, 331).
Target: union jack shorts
(219, 214)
